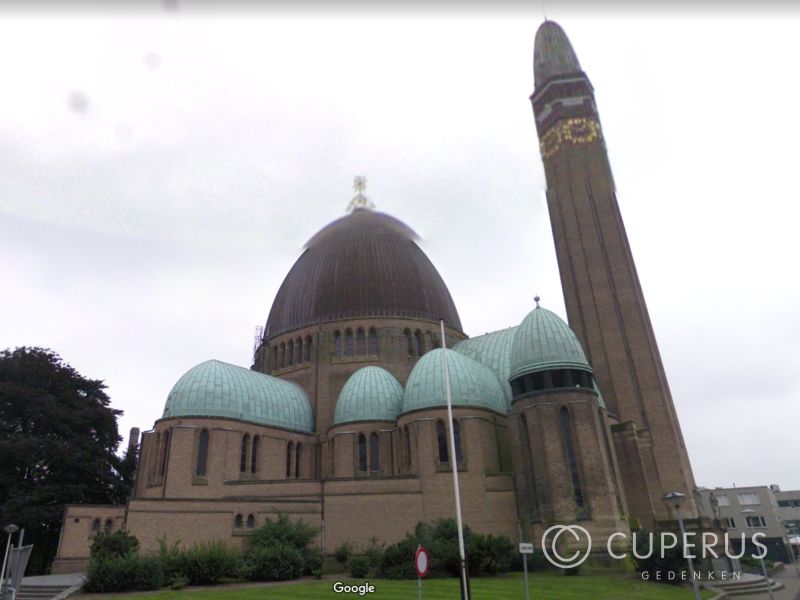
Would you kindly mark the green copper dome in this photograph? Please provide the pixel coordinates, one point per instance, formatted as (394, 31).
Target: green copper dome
(543, 341)
(494, 350)
(218, 389)
(371, 394)
(471, 384)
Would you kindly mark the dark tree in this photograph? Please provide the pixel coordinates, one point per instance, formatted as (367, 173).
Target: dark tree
(58, 437)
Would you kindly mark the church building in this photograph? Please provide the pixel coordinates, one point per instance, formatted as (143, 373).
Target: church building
(341, 420)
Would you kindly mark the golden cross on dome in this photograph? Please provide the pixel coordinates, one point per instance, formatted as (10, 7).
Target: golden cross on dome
(359, 201)
(359, 184)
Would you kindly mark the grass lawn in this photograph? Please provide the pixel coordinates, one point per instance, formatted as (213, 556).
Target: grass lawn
(511, 587)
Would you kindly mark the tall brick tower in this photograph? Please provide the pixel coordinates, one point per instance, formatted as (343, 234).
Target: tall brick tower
(604, 300)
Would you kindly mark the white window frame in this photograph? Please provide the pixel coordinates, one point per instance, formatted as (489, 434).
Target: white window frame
(762, 522)
(749, 499)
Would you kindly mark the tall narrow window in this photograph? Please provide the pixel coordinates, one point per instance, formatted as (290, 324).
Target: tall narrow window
(243, 457)
(361, 342)
(441, 439)
(407, 442)
(572, 463)
(238, 521)
(372, 342)
(254, 457)
(290, 353)
(298, 351)
(96, 526)
(202, 454)
(307, 349)
(457, 440)
(527, 458)
(418, 345)
(282, 356)
(297, 462)
(109, 524)
(409, 342)
(251, 521)
(274, 357)
(362, 453)
(162, 467)
(289, 452)
(348, 342)
(374, 454)
(337, 344)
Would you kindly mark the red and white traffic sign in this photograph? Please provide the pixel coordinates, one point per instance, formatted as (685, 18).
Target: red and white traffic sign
(421, 561)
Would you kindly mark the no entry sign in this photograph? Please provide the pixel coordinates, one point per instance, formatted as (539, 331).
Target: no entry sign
(421, 561)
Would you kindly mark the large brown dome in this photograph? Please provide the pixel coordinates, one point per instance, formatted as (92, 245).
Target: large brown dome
(365, 264)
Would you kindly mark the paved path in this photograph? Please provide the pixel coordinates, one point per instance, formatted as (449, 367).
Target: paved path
(791, 590)
(67, 580)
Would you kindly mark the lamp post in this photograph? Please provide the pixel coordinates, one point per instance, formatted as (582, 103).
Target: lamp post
(10, 530)
(675, 500)
(750, 511)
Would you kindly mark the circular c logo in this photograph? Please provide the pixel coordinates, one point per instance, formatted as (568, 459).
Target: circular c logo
(550, 546)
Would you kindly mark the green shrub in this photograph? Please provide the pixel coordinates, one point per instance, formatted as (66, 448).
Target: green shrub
(343, 553)
(374, 553)
(113, 545)
(282, 532)
(489, 554)
(172, 561)
(123, 574)
(116, 574)
(149, 575)
(277, 562)
(312, 561)
(486, 554)
(178, 582)
(359, 567)
(207, 563)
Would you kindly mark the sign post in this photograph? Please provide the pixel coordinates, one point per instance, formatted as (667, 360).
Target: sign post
(526, 549)
(421, 563)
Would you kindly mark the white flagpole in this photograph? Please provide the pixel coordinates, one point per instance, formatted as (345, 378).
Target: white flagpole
(454, 464)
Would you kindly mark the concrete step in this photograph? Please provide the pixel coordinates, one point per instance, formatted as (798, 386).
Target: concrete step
(39, 592)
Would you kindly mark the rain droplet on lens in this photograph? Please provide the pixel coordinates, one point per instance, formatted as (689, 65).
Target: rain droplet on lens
(78, 103)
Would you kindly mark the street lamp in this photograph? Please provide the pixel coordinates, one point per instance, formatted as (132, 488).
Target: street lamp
(750, 511)
(675, 500)
(10, 530)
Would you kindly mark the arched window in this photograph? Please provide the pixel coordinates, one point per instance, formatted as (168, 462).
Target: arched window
(572, 463)
(238, 521)
(162, 465)
(407, 446)
(254, 458)
(457, 440)
(297, 462)
(409, 342)
(282, 356)
(418, 344)
(362, 453)
(361, 342)
(441, 441)
(202, 453)
(243, 458)
(274, 358)
(348, 342)
(337, 344)
(96, 526)
(374, 454)
(251, 521)
(298, 351)
(290, 353)
(307, 349)
(372, 342)
(289, 452)
(109, 524)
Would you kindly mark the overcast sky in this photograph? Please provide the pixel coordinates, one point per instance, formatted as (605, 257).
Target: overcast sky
(160, 174)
